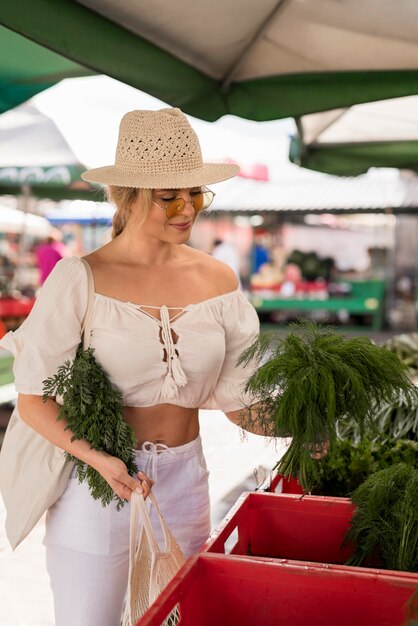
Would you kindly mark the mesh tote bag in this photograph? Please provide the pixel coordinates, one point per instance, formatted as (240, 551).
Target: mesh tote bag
(150, 568)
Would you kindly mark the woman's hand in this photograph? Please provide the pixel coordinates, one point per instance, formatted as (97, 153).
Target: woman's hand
(115, 472)
(319, 450)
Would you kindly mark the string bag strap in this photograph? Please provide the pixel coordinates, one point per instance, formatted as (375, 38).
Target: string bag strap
(86, 325)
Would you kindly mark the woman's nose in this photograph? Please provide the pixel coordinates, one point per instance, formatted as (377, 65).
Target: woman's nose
(188, 206)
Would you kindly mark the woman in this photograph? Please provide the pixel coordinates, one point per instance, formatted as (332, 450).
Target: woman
(169, 324)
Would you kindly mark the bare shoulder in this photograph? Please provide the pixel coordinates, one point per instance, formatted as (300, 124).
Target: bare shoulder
(219, 277)
(101, 259)
(97, 257)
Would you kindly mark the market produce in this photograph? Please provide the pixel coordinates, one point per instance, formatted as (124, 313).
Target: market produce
(93, 410)
(310, 380)
(384, 528)
(405, 346)
(397, 419)
(347, 464)
(312, 266)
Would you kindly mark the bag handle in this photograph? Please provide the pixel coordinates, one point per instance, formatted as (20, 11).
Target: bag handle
(140, 510)
(86, 326)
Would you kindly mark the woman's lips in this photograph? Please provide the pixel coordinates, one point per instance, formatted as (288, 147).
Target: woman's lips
(182, 227)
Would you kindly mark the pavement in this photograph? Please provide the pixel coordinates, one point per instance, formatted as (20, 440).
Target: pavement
(25, 595)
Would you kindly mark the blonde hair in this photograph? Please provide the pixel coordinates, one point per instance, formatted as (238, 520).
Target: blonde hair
(124, 198)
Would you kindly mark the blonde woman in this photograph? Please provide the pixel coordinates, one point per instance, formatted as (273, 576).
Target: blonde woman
(168, 326)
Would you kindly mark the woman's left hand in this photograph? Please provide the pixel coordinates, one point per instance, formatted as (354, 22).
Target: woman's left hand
(145, 484)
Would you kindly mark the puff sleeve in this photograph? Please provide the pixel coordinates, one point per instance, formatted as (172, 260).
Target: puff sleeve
(51, 333)
(241, 326)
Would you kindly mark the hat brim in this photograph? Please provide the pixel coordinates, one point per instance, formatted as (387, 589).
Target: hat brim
(208, 174)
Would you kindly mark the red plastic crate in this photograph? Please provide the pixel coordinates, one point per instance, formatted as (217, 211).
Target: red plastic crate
(214, 590)
(285, 526)
(282, 484)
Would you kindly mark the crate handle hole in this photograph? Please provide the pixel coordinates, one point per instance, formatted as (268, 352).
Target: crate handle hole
(173, 617)
(232, 541)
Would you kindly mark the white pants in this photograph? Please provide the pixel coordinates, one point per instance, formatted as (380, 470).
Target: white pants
(87, 545)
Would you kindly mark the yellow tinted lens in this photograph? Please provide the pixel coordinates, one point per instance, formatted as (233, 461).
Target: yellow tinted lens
(174, 207)
(202, 201)
(198, 202)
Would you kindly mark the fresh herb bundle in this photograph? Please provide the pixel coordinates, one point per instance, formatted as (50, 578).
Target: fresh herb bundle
(93, 410)
(385, 524)
(310, 380)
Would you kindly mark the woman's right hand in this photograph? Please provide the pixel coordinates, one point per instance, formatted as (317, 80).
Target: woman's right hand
(115, 472)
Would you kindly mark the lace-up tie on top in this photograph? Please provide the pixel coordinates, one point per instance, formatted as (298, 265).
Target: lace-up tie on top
(175, 376)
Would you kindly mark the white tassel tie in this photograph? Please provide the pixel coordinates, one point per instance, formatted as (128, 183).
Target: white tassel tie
(175, 376)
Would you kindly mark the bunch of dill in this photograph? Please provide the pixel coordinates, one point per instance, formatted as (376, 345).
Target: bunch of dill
(385, 523)
(93, 410)
(312, 379)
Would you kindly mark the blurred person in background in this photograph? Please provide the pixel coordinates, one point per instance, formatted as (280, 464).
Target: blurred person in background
(48, 253)
(226, 252)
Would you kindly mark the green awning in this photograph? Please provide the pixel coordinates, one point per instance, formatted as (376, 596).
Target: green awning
(355, 159)
(261, 61)
(27, 68)
(349, 141)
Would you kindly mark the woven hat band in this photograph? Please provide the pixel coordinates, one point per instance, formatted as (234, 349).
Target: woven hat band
(157, 142)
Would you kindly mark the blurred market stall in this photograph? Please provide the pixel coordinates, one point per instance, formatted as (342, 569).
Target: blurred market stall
(35, 158)
(35, 161)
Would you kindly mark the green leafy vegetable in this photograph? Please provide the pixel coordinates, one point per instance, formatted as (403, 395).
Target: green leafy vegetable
(93, 410)
(405, 347)
(385, 524)
(348, 464)
(398, 419)
(312, 379)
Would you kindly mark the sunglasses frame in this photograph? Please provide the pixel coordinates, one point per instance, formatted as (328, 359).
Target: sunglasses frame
(181, 208)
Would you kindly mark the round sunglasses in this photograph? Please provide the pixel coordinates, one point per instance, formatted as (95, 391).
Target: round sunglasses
(200, 201)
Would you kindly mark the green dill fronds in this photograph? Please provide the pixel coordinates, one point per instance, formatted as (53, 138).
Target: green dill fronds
(93, 410)
(385, 524)
(311, 380)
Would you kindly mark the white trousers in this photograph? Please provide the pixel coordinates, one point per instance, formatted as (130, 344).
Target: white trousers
(87, 545)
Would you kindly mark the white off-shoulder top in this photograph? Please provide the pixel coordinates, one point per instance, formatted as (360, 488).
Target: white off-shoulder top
(184, 356)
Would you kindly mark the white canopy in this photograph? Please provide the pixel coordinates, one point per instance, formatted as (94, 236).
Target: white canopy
(388, 120)
(243, 39)
(15, 221)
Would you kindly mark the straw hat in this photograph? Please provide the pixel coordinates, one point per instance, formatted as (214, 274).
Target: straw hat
(159, 150)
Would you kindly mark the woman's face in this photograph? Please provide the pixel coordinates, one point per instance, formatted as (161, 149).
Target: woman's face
(175, 229)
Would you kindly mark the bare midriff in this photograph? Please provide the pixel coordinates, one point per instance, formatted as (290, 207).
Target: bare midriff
(164, 423)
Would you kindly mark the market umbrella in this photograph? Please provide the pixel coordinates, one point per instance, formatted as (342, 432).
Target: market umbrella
(259, 60)
(349, 141)
(15, 221)
(36, 160)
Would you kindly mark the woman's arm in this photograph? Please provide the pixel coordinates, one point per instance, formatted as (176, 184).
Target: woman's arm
(42, 417)
(248, 420)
